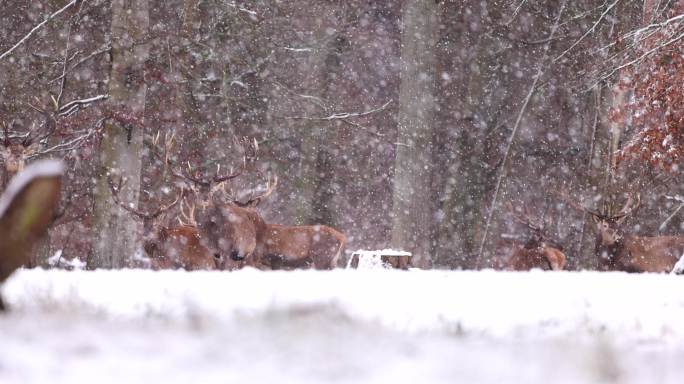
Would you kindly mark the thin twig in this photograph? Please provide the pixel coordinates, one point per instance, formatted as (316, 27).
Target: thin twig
(638, 59)
(342, 115)
(36, 28)
(590, 30)
(100, 51)
(679, 199)
(64, 68)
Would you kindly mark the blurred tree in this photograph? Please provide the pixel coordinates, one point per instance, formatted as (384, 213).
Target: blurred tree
(413, 203)
(115, 232)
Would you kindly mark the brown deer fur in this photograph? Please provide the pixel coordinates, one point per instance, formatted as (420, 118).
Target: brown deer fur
(239, 233)
(230, 232)
(639, 254)
(536, 255)
(179, 247)
(317, 246)
(617, 251)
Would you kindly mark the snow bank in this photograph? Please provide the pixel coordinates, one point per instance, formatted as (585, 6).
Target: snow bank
(346, 326)
(646, 306)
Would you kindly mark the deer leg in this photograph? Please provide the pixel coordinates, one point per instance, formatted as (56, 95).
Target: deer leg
(2, 305)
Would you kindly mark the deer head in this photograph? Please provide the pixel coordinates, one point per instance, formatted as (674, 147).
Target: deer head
(609, 223)
(18, 148)
(226, 226)
(608, 220)
(231, 230)
(540, 250)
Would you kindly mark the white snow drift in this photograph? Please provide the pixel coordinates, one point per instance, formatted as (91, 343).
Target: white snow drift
(342, 326)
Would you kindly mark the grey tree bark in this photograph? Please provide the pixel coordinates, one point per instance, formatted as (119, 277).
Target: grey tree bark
(115, 231)
(316, 186)
(413, 207)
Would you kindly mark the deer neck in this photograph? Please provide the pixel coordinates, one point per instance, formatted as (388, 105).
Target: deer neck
(611, 254)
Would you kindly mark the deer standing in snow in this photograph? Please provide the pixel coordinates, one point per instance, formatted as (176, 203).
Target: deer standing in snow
(619, 251)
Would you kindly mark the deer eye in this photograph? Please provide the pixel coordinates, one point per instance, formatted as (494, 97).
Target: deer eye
(217, 256)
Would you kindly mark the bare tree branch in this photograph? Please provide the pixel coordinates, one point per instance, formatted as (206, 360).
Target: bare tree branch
(36, 28)
(74, 105)
(590, 30)
(345, 116)
(99, 51)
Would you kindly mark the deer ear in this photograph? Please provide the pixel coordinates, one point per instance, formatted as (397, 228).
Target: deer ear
(595, 219)
(26, 210)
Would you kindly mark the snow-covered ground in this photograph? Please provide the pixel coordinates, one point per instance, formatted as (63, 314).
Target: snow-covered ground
(374, 326)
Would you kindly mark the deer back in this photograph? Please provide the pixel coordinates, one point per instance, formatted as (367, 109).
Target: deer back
(317, 246)
(641, 254)
(178, 247)
(539, 255)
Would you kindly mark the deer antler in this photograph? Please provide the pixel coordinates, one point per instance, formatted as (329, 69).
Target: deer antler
(143, 215)
(526, 218)
(570, 201)
(254, 201)
(629, 207)
(189, 216)
(180, 173)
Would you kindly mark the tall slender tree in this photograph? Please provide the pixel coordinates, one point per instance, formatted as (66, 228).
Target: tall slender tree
(413, 206)
(115, 232)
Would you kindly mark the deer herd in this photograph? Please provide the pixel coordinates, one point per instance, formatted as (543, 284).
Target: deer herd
(615, 250)
(212, 230)
(215, 231)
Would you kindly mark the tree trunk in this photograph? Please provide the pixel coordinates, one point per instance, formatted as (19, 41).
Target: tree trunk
(316, 184)
(413, 206)
(115, 231)
(42, 252)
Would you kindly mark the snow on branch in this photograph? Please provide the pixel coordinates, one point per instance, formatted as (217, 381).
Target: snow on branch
(74, 105)
(590, 30)
(640, 58)
(660, 25)
(344, 116)
(36, 28)
(242, 9)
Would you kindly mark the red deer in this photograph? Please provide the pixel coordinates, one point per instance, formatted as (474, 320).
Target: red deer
(183, 245)
(26, 210)
(178, 245)
(617, 251)
(237, 231)
(178, 248)
(234, 231)
(18, 148)
(538, 252)
(169, 247)
(317, 246)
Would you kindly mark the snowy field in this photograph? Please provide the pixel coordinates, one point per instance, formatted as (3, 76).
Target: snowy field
(346, 326)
